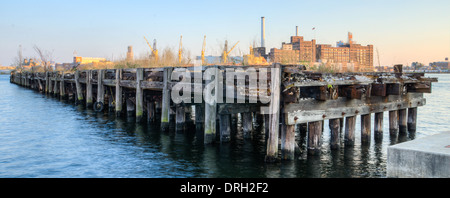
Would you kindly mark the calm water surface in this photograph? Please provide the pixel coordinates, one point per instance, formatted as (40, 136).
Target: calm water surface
(41, 137)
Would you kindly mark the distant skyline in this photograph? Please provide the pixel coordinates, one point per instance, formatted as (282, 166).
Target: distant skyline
(402, 31)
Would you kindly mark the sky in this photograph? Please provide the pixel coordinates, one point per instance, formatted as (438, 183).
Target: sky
(401, 31)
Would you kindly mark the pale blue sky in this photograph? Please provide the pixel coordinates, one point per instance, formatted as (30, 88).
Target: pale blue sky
(402, 31)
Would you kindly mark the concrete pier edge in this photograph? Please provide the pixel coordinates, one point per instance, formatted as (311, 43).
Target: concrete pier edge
(427, 157)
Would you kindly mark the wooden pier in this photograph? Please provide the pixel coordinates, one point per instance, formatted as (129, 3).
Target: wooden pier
(283, 95)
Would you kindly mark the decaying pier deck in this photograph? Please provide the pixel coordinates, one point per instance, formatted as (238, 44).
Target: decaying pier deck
(284, 95)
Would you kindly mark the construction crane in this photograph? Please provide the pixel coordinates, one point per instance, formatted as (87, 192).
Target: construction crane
(153, 49)
(180, 50)
(203, 50)
(225, 52)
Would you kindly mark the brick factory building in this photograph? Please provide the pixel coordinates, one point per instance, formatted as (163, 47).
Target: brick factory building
(299, 50)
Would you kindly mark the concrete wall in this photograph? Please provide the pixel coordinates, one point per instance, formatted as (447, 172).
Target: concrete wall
(427, 157)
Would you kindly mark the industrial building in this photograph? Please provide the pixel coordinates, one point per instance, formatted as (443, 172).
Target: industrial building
(360, 58)
(298, 50)
(350, 52)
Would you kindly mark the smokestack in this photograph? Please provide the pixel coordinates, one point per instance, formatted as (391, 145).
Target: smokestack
(263, 32)
(130, 55)
(350, 38)
(296, 30)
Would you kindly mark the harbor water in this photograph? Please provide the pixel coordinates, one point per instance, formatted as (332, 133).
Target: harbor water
(43, 137)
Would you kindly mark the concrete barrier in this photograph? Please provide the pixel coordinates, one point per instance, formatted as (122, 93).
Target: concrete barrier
(427, 157)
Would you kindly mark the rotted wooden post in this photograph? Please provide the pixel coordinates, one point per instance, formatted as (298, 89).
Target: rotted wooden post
(62, 90)
(366, 129)
(78, 86)
(180, 117)
(151, 111)
(335, 127)
(393, 123)
(211, 106)
(89, 100)
(266, 126)
(274, 107)
(225, 127)
(412, 119)
(46, 82)
(289, 96)
(131, 107)
(199, 117)
(40, 88)
(118, 96)
(350, 124)
(247, 124)
(287, 142)
(139, 94)
(99, 106)
(378, 128)
(314, 137)
(165, 109)
(50, 83)
(55, 86)
(402, 121)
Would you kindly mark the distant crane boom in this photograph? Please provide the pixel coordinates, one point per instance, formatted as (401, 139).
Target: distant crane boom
(225, 52)
(148, 44)
(232, 48)
(153, 49)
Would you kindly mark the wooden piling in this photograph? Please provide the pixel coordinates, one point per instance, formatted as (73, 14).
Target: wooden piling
(288, 142)
(89, 100)
(412, 119)
(139, 95)
(378, 126)
(211, 108)
(118, 96)
(266, 126)
(366, 128)
(335, 127)
(165, 113)
(272, 141)
(78, 86)
(62, 88)
(402, 121)
(225, 127)
(151, 111)
(50, 83)
(393, 123)
(131, 107)
(40, 88)
(100, 91)
(111, 105)
(180, 118)
(210, 122)
(247, 124)
(350, 124)
(314, 137)
(199, 117)
(55, 87)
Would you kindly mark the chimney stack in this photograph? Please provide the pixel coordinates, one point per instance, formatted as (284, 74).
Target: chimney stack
(263, 32)
(296, 30)
(130, 55)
